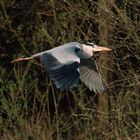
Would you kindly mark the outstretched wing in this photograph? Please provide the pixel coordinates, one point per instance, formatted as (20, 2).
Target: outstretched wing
(90, 76)
(64, 76)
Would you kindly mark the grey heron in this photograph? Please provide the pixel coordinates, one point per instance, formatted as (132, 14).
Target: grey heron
(68, 63)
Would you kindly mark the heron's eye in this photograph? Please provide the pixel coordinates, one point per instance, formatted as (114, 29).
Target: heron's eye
(77, 49)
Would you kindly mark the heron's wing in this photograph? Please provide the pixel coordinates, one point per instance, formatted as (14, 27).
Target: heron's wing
(65, 76)
(90, 76)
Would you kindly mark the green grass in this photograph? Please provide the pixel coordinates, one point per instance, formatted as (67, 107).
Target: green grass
(31, 108)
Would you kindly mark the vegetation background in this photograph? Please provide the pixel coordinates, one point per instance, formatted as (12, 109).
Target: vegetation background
(31, 108)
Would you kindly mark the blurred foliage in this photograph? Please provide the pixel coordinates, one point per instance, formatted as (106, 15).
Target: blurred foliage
(30, 106)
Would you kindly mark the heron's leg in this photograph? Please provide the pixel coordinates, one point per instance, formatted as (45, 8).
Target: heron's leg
(22, 59)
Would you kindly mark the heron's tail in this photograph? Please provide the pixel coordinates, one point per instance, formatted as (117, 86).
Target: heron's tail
(22, 59)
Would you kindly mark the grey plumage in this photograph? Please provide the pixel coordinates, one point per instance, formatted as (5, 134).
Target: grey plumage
(65, 76)
(90, 76)
(68, 63)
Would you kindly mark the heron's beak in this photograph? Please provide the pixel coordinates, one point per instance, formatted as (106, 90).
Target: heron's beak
(99, 48)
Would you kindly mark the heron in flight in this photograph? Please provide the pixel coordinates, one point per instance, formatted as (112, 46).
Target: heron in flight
(68, 63)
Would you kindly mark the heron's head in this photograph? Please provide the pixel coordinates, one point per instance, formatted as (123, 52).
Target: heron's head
(88, 49)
